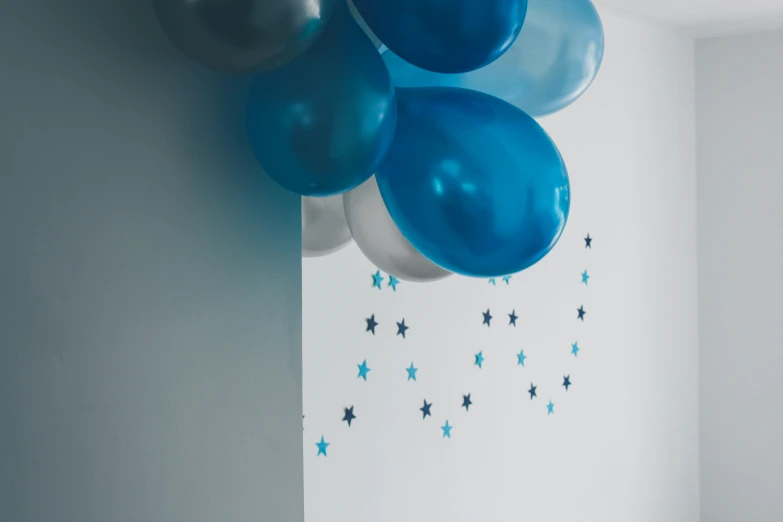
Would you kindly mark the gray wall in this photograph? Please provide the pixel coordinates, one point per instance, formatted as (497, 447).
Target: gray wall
(150, 283)
(740, 184)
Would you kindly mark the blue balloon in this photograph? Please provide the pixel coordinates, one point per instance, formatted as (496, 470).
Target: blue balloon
(446, 36)
(475, 184)
(321, 124)
(552, 63)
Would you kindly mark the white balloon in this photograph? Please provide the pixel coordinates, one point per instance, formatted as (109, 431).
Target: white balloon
(324, 230)
(381, 241)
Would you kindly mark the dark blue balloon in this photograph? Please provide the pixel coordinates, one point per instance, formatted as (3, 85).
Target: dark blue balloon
(321, 124)
(446, 36)
(551, 64)
(475, 184)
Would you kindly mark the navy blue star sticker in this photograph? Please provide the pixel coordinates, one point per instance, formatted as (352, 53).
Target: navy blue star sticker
(487, 317)
(349, 416)
(371, 324)
(401, 328)
(566, 381)
(581, 311)
(532, 391)
(512, 318)
(425, 410)
(466, 402)
(589, 242)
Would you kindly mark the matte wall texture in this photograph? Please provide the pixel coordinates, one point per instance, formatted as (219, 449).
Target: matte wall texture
(150, 282)
(739, 83)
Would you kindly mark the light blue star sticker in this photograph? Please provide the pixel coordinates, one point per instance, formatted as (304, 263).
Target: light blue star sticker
(363, 369)
(412, 372)
(550, 408)
(521, 358)
(393, 282)
(322, 447)
(377, 279)
(492, 281)
(446, 430)
(585, 277)
(479, 359)
(575, 349)
(506, 279)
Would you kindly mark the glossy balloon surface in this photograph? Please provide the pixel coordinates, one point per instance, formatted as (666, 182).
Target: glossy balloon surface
(320, 125)
(243, 36)
(473, 183)
(447, 36)
(379, 239)
(552, 63)
(324, 229)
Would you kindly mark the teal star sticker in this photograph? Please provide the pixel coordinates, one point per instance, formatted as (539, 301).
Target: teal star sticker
(521, 358)
(412, 372)
(550, 408)
(575, 349)
(363, 369)
(479, 359)
(322, 447)
(393, 282)
(507, 279)
(492, 281)
(446, 430)
(377, 279)
(585, 277)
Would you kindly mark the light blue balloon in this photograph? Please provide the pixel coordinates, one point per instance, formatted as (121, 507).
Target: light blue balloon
(472, 182)
(321, 124)
(550, 65)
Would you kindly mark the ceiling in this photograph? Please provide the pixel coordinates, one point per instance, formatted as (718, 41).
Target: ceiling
(704, 17)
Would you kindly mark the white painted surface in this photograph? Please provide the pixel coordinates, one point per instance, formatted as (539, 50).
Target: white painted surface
(149, 312)
(739, 86)
(704, 18)
(623, 442)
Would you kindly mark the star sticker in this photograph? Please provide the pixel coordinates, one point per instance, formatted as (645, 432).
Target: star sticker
(585, 277)
(401, 328)
(589, 242)
(393, 282)
(363, 369)
(479, 359)
(506, 279)
(521, 358)
(446, 430)
(566, 381)
(425, 410)
(492, 281)
(532, 391)
(575, 349)
(550, 408)
(581, 311)
(466, 402)
(349, 416)
(487, 317)
(371, 324)
(322, 446)
(512, 318)
(412, 372)
(377, 279)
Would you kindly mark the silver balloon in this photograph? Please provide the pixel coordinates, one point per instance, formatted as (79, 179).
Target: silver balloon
(243, 36)
(381, 241)
(324, 230)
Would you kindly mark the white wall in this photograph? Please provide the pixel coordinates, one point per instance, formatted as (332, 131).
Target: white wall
(623, 442)
(149, 315)
(740, 174)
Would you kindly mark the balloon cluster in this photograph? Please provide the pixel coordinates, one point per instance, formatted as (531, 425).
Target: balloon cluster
(426, 152)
